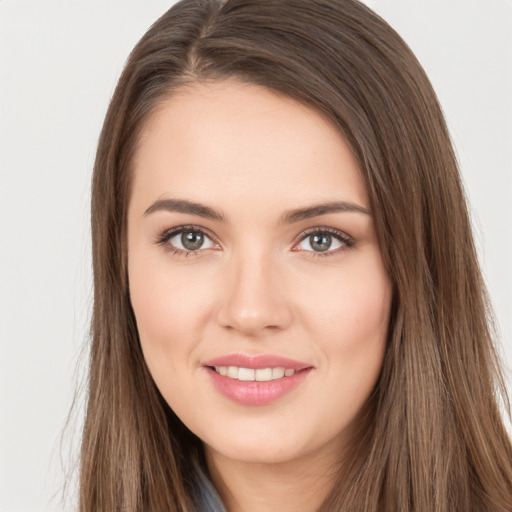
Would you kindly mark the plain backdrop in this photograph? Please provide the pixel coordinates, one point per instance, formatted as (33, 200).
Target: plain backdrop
(59, 61)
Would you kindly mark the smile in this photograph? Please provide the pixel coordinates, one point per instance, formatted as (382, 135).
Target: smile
(256, 380)
(251, 374)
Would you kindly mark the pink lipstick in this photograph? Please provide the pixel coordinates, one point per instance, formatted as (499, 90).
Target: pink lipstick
(256, 380)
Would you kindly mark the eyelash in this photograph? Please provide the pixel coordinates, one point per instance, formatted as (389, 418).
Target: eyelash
(342, 237)
(347, 241)
(164, 238)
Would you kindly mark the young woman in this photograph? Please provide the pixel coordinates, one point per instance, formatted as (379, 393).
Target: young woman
(288, 309)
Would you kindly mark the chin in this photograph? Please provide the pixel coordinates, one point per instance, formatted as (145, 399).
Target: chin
(261, 444)
(258, 453)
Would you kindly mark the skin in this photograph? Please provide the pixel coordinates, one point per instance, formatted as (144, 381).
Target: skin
(258, 287)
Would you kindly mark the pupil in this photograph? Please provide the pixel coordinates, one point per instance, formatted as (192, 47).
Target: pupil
(192, 240)
(320, 243)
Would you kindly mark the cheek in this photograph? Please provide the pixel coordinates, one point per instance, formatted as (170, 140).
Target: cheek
(170, 312)
(350, 305)
(350, 321)
(159, 310)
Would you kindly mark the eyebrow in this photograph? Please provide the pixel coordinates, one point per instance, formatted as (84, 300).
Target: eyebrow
(322, 209)
(290, 217)
(184, 206)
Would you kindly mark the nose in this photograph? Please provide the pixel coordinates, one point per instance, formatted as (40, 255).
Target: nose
(253, 299)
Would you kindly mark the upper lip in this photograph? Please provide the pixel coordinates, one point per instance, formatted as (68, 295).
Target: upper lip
(255, 362)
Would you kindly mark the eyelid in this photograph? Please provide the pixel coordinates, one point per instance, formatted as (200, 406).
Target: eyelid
(348, 241)
(168, 234)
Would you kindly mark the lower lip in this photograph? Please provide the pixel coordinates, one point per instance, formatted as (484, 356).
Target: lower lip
(256, 392)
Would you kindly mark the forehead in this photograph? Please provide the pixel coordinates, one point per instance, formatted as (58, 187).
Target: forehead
(224, 140)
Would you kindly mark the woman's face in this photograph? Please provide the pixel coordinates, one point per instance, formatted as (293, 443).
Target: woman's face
(256, 280)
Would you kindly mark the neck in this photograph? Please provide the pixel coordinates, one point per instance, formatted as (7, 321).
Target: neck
(298, 485)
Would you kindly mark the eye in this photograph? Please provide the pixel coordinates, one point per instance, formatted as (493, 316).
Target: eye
(187, 239)
(324, 241)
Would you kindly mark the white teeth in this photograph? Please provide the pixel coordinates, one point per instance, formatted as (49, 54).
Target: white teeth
(263, 374)
(232, 372)
(249, 374)
(245, 374)
(277, 373)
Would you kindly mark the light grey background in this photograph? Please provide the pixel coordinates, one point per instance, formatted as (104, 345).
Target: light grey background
(59, 61)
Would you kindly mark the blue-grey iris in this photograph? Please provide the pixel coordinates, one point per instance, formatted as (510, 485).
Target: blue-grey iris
(320, 242)
(192, 240)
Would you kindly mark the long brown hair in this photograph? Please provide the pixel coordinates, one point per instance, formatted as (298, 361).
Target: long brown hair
(432, 438)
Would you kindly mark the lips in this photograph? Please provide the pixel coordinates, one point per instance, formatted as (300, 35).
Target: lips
(256, 380)
(255, 362)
